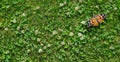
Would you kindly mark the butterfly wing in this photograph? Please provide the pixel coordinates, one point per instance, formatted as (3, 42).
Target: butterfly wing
(94, 22)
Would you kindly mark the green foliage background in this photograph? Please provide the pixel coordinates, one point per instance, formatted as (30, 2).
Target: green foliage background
(39, 30)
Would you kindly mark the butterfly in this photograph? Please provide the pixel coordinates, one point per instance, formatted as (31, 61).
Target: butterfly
(96, 20)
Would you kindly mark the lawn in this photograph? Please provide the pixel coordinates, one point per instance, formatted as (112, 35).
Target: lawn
(55, 31)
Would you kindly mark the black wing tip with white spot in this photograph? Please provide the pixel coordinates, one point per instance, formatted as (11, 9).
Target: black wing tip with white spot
(104, 16)
(88, 24)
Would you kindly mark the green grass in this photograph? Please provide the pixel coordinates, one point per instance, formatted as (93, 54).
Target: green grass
(51, 31)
